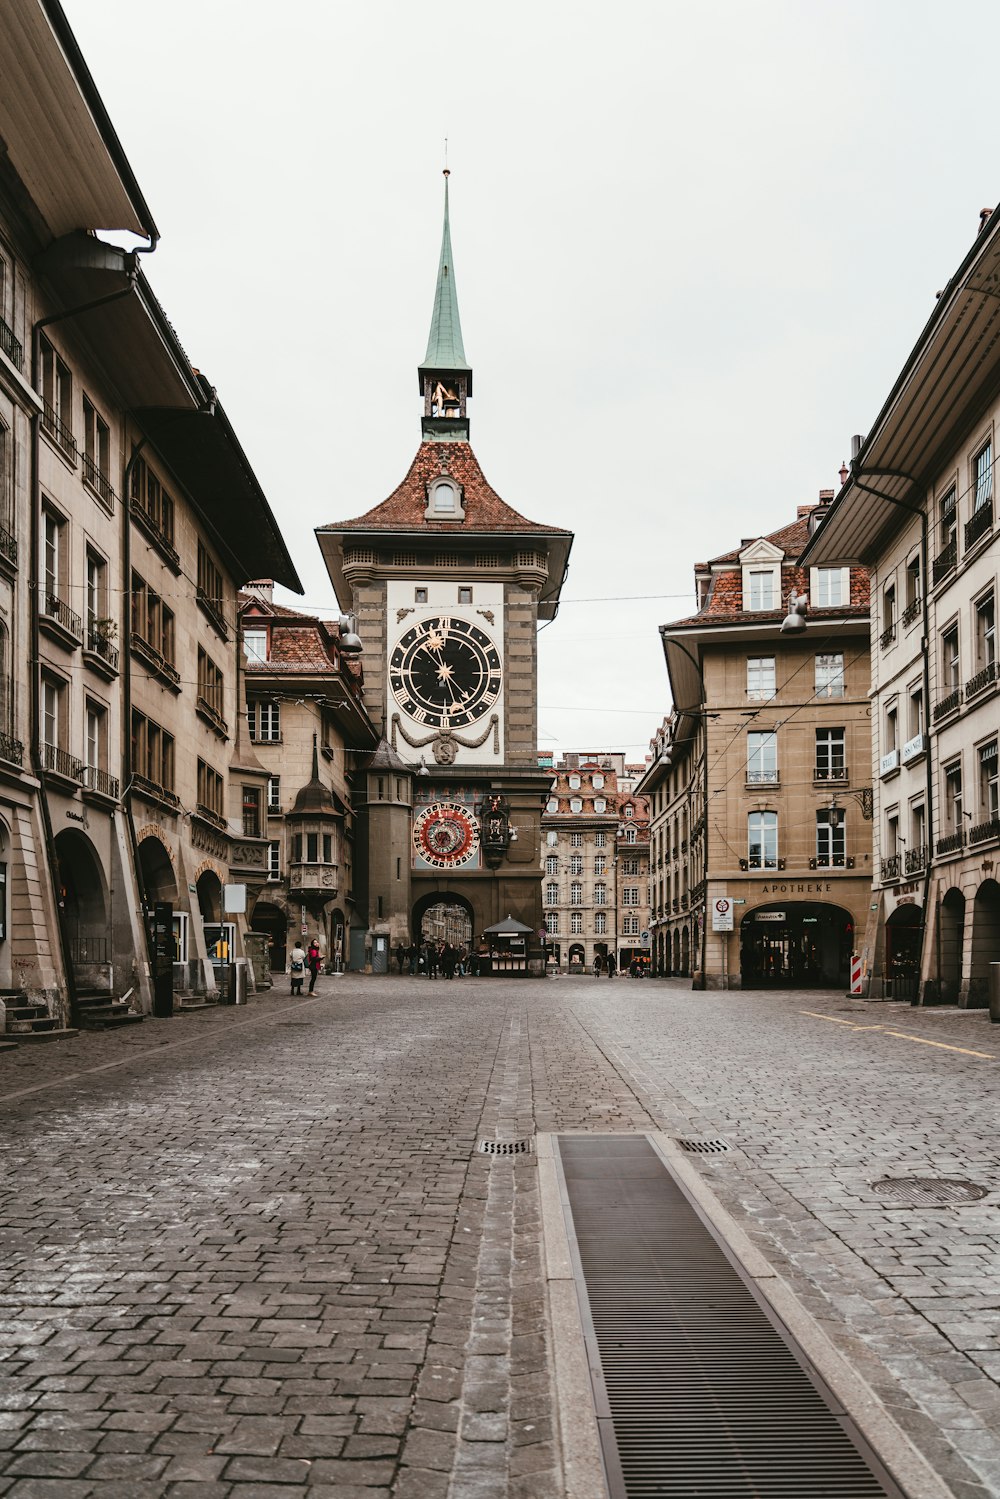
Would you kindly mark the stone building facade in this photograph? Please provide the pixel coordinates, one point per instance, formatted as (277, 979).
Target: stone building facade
(760, 778)
(918, 507)
(130, 515)
(595, 863)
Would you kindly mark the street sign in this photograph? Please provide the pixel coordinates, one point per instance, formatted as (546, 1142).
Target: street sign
(722, 914)
(643, 939)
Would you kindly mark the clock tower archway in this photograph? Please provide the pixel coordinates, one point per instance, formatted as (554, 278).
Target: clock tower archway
(448, 583)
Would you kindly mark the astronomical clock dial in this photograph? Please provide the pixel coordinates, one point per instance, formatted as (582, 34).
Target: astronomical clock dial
(445, 672)
(446, 835)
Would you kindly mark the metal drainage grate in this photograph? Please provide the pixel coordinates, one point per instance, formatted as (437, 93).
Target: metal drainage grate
(505, 1147)
(928, 1191)
(704, 1147)
(699, 1389)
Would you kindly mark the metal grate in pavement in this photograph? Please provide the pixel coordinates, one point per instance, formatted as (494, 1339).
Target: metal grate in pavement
(928, 1191)
(505, 1147)
(699, 1389)
(704, 1147)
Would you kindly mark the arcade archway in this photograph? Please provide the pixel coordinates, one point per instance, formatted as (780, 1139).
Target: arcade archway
(951, 940)
(904, 931)
(443, 916)
(985, 940)
(273, 924)
(83, 893)
(158, 879)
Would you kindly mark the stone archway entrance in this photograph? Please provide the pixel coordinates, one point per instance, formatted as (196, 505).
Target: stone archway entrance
(273, 924)
(904, 931)
(83, 893)
(796, 945)
(444, 917)
(951, 940)
(158, 878)
(985, 940)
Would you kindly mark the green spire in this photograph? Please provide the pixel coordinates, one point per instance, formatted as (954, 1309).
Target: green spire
(445, 350)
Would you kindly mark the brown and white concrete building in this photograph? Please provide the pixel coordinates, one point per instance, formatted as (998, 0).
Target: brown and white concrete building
(760, 779)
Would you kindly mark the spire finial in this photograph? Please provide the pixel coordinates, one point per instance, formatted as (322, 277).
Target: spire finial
(447, 169)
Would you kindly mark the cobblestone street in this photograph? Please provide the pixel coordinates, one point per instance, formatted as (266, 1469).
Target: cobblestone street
(252, 1249)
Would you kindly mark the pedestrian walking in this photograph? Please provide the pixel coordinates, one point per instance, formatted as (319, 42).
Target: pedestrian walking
(597, 966)
(611, 965)
(314, 962)
(297, 967)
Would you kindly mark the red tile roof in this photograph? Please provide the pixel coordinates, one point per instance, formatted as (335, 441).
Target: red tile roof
(405, 507)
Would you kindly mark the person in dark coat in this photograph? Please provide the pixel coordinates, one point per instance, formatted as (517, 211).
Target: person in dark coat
(314, 963)
(611, 965)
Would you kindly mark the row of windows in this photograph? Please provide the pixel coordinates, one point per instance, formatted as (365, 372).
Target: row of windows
(986, 807)
(828, 679)
(630, 894)
(630, 926)
(831, 838)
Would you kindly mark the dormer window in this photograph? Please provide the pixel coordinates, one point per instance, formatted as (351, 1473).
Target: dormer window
(760, 562)
(444, 500)
(255, 645)
(763, 594)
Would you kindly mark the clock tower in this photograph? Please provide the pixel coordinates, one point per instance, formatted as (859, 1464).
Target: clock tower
(448, 583)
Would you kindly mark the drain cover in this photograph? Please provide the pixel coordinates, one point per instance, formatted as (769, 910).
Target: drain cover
(927, 1191)
(704, 1147)
(505, 1147)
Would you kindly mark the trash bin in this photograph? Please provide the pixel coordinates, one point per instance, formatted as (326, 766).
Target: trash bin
(995, 993)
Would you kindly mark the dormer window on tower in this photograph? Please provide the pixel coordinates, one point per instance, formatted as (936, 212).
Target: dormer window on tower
(444, 500)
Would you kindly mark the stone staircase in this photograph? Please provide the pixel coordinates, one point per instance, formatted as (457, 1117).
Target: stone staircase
(98, 1010)
(28, 1020)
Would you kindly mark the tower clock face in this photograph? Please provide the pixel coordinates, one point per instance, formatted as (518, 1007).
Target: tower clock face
(445, 672)
(446, 835)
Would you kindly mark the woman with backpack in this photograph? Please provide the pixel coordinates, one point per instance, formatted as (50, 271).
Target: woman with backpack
(297, 967)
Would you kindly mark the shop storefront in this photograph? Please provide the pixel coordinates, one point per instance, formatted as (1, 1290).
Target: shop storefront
(796, 945)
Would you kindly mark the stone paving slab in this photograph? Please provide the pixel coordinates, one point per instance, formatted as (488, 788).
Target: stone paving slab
(253, 1251)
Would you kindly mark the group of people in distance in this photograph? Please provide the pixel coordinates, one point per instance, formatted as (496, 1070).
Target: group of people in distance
(436, 960)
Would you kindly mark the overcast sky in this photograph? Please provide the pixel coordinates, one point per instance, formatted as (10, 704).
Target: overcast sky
(694, 244)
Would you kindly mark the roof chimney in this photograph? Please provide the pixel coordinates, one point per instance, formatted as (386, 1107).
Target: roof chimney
(261, 588)
(801, 510)
(984, 215)
(826, 495)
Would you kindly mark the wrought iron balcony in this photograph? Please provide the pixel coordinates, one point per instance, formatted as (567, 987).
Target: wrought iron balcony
(983, 679)
(887, 636)
(945, 561)
(979, 525)
(101, 646)
(11, 347)
(890, 868)
(63, 615)
(100, 781)
(98, 483)
(8, 546)
(951, 843)
(949, 704)
(911, 612)
(762, 778)
(984, 831)
(61, 763)
(837, 773)
(58, 429)
(832, 861)
(915, 860)
(212, 714)
(11, 749)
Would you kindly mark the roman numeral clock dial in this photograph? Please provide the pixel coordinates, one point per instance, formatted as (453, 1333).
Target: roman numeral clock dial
(445, 673)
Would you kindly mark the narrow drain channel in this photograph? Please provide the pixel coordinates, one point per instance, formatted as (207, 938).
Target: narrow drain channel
(698, 1389)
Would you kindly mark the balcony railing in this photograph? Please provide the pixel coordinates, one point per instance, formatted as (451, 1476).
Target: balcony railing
(208, 814)
(61, 763)
(100, 781)
(762, 778)
(981, 522)
(58, 429)
(983, 679)
(63, 615)
(985, 830)
(163, 541)
(98, 483)
(887, 636)
(915, 860)
(214, 609)
(209, 711)
(836, 773)
(890, 868)
(11, 749)
(947, 704)
(11, 347)
(832, 861)
(101, 646)
(911, 611)
(952, 842)
(8, 546)
(945, 561)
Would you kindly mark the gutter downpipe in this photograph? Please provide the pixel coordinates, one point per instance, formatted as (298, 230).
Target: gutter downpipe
(703, 706)
(37, 759)
(920, 512)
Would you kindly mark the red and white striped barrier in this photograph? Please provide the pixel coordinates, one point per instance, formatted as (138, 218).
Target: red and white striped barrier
(855, 974)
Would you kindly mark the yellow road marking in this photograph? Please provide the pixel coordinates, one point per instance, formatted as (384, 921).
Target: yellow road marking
(966, 1051)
